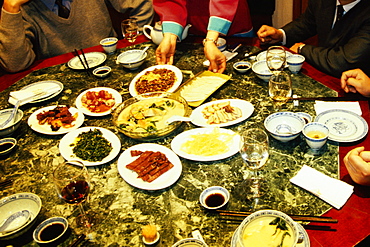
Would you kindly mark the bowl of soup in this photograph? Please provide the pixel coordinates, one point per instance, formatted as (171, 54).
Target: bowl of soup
(268, 228)
(145, 116)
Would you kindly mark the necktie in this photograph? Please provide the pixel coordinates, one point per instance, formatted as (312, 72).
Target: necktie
(63, 11)
(340, 12)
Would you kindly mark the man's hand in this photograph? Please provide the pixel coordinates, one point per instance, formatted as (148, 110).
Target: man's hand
(13, 6)
(270, 35)
(358, 166)
(355, 81)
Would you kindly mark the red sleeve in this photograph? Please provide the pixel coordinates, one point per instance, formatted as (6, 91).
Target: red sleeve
(225, 9)
(171, 10)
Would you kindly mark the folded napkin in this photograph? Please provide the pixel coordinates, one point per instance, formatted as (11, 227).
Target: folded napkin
(331, 190)
(26, 96)
(321, 106)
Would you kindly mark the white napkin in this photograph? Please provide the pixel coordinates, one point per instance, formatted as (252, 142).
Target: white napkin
(321, 106)
(333, 191)
(26, 96)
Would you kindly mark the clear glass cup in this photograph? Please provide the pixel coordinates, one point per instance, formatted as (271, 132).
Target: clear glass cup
(276, 58)
(130, 29)
(254, 150)
(280, 87)
(72, 183)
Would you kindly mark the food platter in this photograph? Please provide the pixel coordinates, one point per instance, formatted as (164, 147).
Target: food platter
(245, 106)
(344, 126)
(46, 129)
(176, 84)
(117, 98)
(232, 144)
(51, 88)
(165, 180)
(66, 150)
(93, 59)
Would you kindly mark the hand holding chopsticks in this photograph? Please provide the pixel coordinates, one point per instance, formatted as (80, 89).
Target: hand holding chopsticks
(84, 62)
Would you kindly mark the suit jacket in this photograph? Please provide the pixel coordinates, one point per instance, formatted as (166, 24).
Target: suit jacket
(343, 47)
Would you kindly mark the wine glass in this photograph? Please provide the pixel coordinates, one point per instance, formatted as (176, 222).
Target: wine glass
(130, 29)
(280, 88)
(72, 183)
(276, 58)
(254, 150)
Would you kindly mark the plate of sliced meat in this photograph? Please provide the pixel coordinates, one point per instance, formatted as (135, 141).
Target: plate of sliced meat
(149, 166)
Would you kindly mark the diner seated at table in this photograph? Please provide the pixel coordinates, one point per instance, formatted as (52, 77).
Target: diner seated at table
(211, 19)
(37, 29)
(343, 43)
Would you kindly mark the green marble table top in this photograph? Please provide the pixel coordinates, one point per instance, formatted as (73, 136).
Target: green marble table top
(122, 209)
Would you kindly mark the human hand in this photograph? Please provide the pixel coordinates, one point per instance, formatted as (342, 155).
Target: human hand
(217, 60)
(355, 81)
(13, 6)
(295, 47)
(269, 35)
(166, 49)
(358, 165)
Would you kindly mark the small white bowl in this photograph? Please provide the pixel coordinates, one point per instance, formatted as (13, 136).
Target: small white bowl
(316, 134)
(242, 66)
(102, 71)
(284, 126)
(7, 145)
(109, 44)
(214, 197)
(221, 44)
(261, 70)
(13, 125)
(126, 56)
(50, 230)
(295, 62)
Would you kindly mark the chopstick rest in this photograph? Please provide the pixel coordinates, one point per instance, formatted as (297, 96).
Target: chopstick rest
(331, 190)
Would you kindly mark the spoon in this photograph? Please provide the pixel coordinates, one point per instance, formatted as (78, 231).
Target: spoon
(177, 118)
(284, 129)
(140, 55)
(21, 217)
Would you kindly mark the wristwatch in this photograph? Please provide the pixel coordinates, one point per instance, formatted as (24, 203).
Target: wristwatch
(209, 39)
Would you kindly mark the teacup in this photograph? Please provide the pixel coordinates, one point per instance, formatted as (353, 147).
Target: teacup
(109, 44)
(316, 135)
(295, 62)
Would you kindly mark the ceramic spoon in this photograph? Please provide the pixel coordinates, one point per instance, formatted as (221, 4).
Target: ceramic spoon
(176, 118)
(21, 216)
(139, 57)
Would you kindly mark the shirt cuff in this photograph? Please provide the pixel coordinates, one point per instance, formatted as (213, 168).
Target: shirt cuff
(219, 25)
(284, 37)
(172, 27)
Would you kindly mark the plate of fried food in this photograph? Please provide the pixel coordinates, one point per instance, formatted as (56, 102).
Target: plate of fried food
(221, 113)
(56, 119)
(206, 144)
(157, 78)
(99, 101)
(149, 166)
(90, 145)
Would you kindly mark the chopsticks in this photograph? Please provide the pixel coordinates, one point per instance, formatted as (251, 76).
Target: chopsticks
(78, 240)
(326, 98)
(83, 62)
(309, 218)
(6, 183)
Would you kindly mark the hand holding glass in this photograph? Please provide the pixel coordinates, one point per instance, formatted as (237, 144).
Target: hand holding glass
(276, 58)
(130, 29)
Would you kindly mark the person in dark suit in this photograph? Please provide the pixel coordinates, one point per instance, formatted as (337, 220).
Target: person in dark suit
(343, 44)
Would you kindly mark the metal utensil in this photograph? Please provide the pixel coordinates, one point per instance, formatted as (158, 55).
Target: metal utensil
(139, 56)
(21, 216)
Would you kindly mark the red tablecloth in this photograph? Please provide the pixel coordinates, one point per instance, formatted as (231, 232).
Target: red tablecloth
(354, 217)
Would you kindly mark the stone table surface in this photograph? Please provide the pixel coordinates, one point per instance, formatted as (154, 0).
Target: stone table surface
(122, 209)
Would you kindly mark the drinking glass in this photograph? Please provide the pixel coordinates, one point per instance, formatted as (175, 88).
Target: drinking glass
(280, 87)
(130, 29)
(72, 183)
(254, 150)
(276, 58)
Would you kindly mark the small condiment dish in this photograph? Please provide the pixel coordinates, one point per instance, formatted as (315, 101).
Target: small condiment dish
(214, 197)
(102, 71)
(7, 145)
(109, 44)
(242, 66)
(307, 117)
(50, 230)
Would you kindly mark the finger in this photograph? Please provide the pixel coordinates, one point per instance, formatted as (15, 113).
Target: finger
(365, 155)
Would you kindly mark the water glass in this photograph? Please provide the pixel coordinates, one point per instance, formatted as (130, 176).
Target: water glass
(130, 29)
(280, 87)
(276, 58)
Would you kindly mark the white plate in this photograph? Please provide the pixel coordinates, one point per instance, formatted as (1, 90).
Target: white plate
(304, 243)
(185, 136)
(344, 126)
(262, 56)
(176, 70)
(117, 97)
(41, 85)
(46, 129)
(246, 107)
(67, 151)
(166, 179)
(93, 59)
